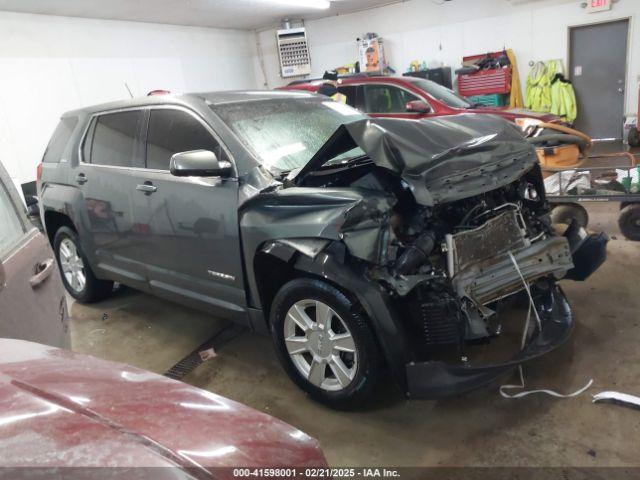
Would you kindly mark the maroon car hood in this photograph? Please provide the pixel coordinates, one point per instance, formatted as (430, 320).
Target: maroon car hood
(58, 408)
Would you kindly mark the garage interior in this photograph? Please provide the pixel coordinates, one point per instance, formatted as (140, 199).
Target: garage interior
(60, 55)
(536, 431)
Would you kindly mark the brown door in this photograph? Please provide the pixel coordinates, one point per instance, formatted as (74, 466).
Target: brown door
(32, 302)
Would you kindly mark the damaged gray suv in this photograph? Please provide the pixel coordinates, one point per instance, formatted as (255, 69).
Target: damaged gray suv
(362, 245)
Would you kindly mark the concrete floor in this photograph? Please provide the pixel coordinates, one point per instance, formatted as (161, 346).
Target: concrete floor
(477, 429)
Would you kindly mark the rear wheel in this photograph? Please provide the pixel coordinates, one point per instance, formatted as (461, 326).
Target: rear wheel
(567, 212)
(629, 221)
(324, 342)
(77, 276)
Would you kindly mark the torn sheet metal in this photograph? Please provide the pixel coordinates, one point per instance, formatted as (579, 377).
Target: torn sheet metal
(310, 247)
(441, 159)
(358, 218)
(618, 398)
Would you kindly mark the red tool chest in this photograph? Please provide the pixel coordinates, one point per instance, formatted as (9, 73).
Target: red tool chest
(485, 82)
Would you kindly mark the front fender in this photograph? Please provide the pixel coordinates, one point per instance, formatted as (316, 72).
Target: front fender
(309, 256)
(357, 218)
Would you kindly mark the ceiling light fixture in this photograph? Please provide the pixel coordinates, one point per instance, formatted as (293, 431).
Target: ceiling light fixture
(319, 4)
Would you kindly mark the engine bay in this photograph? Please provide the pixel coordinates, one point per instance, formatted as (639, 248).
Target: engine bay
(449, 264)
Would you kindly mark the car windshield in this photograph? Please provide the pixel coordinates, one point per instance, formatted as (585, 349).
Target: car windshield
(285, 134)
(442, 94)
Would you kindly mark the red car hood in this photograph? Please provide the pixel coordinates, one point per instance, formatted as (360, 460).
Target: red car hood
(58, 408)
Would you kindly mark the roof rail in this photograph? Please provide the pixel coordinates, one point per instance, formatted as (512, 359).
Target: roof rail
(350, 75)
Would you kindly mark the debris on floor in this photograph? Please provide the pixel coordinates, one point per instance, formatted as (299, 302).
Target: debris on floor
(207, 354)
(618, 398)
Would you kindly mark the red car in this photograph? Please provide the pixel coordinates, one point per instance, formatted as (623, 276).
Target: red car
(410, 97)
(61, 409)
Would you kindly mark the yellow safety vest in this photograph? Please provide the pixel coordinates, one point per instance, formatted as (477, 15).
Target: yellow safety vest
(563, 101)
(339, 97)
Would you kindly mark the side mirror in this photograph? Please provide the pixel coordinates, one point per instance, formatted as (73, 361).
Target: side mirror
(199, 163)
(418, 106)
(33, 210)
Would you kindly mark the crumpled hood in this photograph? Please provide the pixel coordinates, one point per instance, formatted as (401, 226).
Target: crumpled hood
(442, 159)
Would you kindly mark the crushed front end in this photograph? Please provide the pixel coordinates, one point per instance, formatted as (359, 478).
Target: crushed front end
(442, 231)
(466, 271)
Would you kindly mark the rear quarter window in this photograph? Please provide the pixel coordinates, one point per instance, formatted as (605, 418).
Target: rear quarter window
(60, 139)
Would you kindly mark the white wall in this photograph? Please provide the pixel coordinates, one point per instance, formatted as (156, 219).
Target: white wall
(49, 65)
(424, 30)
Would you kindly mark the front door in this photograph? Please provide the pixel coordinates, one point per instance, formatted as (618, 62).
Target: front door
(598, 56)
(32, 301)
(381, 100)
(192, 252)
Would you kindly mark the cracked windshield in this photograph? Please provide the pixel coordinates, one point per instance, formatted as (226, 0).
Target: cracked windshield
(285, 135)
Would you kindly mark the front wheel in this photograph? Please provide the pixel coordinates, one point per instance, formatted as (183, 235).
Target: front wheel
(77, 276)
(324, 342)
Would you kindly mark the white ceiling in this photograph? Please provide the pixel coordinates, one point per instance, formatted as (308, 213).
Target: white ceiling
(241, 14)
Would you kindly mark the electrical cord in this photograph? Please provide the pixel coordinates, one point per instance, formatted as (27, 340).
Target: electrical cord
(524, 393)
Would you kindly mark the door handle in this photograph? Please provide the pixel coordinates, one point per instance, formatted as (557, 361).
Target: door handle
(147, 187)
(81, 178)
(43, 271)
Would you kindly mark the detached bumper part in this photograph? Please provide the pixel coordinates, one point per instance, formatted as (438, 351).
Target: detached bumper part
(589, 251)
(436, 379)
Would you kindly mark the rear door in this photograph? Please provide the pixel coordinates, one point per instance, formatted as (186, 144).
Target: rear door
(112, 156)
(32, 302)
(192, 253)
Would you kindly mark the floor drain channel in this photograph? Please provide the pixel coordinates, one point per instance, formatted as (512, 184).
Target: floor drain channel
(189, 363)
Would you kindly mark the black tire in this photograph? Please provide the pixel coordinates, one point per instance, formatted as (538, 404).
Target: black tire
(94, 289)
(634, 137)
(629, 221)
(567, 212)
(368, 367)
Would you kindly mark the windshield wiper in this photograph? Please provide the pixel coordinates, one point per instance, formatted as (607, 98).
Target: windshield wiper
(346, 161)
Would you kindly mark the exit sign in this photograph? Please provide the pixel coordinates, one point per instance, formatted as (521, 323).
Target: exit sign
(598, 5)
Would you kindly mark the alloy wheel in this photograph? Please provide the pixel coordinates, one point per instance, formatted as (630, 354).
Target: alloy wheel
(72, 265)
(320, 345)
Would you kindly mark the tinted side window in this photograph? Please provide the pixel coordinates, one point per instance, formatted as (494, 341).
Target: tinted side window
(115, 139)
(12, 228)
(350, 92)
(60, 139)
(386, 99)
(173, 131)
